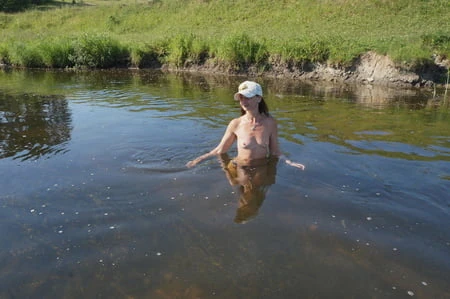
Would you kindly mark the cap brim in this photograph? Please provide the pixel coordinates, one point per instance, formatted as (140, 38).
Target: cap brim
(243, 93)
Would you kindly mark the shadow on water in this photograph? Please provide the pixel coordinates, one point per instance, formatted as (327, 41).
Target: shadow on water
(98, 203)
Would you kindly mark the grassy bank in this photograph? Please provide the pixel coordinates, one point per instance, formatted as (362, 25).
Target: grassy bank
(235, 33)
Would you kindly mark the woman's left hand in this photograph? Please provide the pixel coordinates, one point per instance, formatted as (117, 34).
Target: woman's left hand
(295, 164)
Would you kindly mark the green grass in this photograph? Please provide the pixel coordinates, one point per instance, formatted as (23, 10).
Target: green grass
(234, 33)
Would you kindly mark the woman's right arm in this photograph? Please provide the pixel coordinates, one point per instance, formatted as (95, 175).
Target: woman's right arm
(227, 141)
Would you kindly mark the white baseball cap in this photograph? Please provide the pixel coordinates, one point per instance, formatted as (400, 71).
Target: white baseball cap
(248, 89)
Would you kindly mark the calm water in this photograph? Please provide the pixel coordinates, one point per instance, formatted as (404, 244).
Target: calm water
(96, 202)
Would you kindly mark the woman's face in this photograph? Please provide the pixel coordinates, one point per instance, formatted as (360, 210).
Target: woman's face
(249, 103)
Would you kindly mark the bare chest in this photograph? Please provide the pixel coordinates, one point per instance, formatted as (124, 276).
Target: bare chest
(252, 137)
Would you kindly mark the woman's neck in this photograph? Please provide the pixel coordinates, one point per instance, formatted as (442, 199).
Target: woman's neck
(253, 117)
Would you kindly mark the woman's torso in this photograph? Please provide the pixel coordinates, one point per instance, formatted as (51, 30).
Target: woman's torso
(253, 140)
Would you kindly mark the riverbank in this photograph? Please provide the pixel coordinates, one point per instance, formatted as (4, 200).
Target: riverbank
(378, 42)
(369, 68)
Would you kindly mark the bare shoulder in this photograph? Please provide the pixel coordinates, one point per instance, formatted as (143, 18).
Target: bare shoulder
(272, 122)
(234, 123)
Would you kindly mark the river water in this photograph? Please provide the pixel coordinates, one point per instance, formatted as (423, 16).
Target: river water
(96, 201)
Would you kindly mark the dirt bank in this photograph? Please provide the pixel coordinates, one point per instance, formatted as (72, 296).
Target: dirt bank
(370, 68)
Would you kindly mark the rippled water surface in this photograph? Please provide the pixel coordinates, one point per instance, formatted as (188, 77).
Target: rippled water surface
(96, 201)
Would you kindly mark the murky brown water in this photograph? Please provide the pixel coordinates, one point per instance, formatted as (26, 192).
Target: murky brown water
(96, 202)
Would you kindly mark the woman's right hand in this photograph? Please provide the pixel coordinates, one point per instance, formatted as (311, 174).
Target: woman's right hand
(192, 163)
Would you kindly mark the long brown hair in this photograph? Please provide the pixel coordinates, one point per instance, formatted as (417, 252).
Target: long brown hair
(262, 108)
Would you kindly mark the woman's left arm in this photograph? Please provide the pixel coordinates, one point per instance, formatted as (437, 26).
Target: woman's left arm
(274, 147)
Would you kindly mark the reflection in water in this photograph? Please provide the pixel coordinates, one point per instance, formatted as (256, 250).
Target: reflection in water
(33, 126)
(253, 182)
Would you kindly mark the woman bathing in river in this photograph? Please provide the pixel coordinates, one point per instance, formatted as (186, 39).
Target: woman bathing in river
(255, 131)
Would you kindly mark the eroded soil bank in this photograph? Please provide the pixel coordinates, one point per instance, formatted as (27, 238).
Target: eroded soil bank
(368, 68)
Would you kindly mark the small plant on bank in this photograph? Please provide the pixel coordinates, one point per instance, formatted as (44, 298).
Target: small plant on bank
(183, 50)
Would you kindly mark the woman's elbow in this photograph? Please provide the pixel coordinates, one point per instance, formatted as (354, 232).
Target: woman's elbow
(220, 151)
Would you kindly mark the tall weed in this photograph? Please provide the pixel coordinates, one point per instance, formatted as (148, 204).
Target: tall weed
(4, 54)
(56, 53)
(26, 55)
(98, 51)
(188, 49)
(178, 49)
(199, 51)
(142, 56)
(241, 51)
(300, 52)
